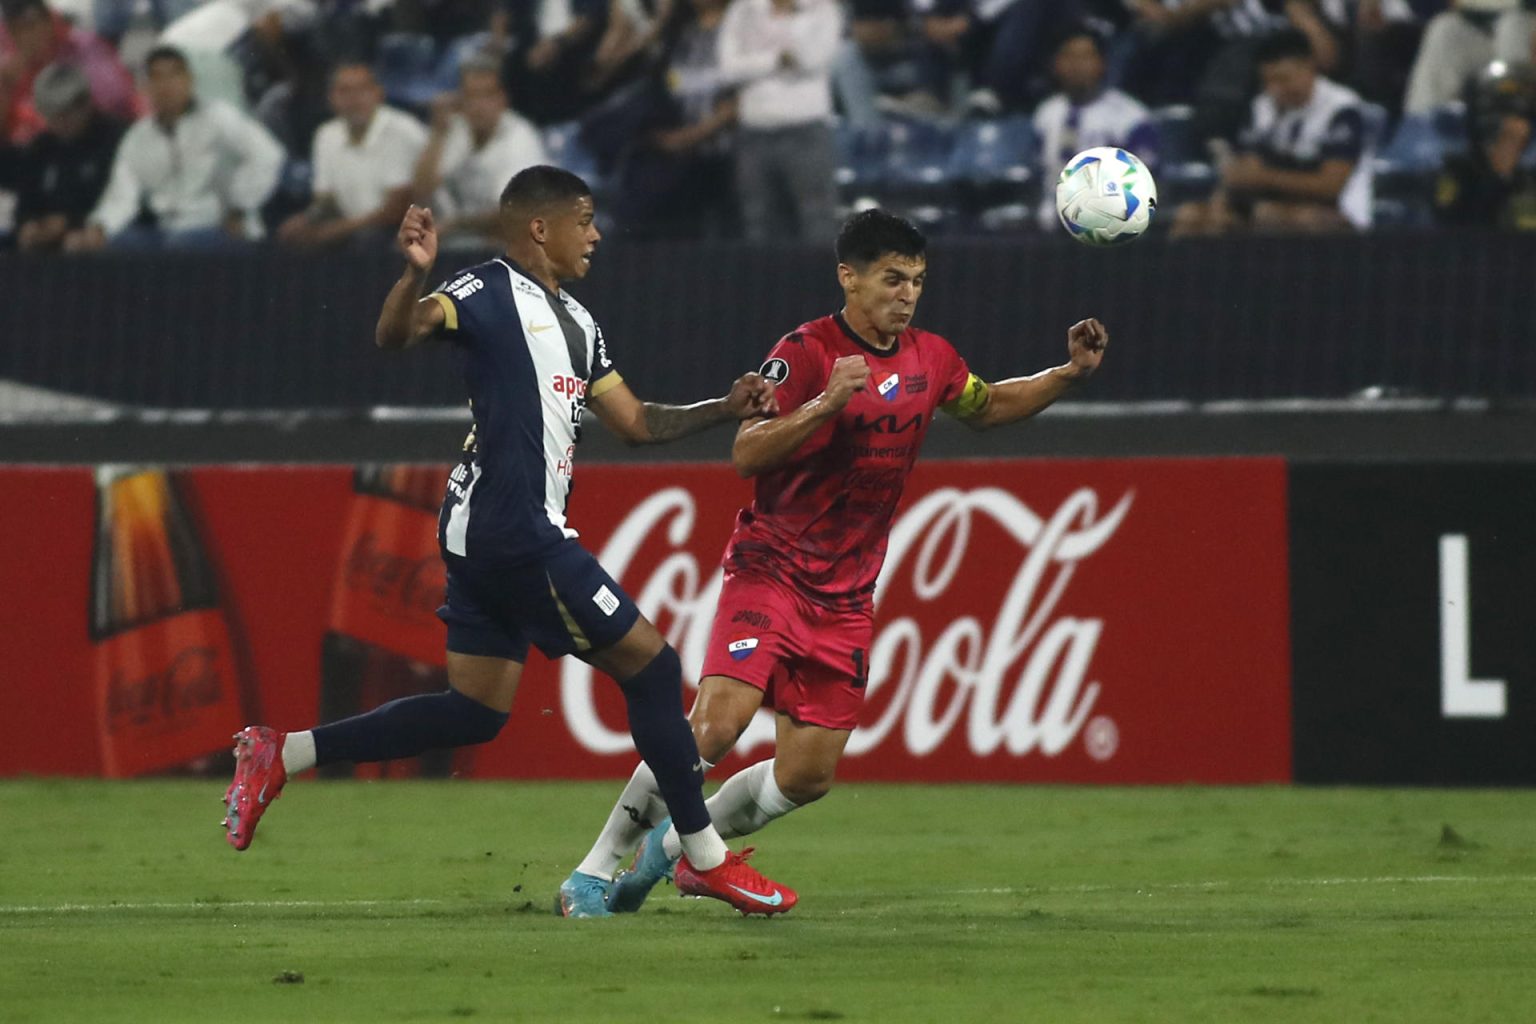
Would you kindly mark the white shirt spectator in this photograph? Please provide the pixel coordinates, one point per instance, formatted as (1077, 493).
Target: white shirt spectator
(1111, 118)
(214, 161)
(358, 176)
(1330, 127)
(473, 179)
(753, 40)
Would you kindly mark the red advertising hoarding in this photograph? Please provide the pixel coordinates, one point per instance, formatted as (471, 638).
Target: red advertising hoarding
(1114, 621)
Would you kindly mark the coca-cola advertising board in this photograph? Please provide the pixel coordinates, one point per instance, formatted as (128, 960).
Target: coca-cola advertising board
(1104, 621)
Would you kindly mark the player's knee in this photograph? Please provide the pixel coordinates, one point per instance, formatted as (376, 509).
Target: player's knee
(663, 674)
(477, 722)
(803, 786)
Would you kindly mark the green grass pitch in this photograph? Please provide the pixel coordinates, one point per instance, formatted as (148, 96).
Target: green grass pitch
(431, 902)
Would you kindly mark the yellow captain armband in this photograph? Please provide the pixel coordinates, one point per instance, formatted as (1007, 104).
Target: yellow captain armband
(973, 398)
(450, 311)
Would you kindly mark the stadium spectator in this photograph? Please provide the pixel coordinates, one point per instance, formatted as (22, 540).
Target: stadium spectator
(1204, 51)
(676, 179)
(1387, 34)
(1489, 186)
(549, 68)
(364, 161)
(887, 63)
(203, 170)
(476, 145)
(1303, 163)
(779, 53)
(1001, 44)
(65, 168)
(32, 36)
(111, 19)
(1085, 114)
(1459, 42)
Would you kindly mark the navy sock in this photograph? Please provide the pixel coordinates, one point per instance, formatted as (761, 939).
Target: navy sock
(662, 735)
(407, 727)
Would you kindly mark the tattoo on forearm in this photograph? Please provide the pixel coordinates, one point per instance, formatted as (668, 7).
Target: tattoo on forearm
(669, 422)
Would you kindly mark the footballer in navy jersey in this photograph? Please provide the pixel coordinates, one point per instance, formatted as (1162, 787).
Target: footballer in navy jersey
(534, 360)
(857, 392)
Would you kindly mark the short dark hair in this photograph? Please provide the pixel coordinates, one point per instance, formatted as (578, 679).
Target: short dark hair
(480, 66)
(871, 234)
(1090, 30)
(10, 10)
(541, 186)
(346, 62)
(166, 52)
(1286, 44)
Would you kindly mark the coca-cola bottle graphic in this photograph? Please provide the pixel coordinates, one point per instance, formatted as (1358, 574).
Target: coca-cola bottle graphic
(384, 639)
(168, 683)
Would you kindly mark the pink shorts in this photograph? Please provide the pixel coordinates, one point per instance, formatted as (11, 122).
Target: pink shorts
(811, 662)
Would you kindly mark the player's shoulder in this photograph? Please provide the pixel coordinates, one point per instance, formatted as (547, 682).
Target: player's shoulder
(928, 342)
(1123, 104)
(813, 334)
(481, 279)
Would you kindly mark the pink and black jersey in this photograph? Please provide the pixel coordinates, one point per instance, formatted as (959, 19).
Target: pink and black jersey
(820, 524)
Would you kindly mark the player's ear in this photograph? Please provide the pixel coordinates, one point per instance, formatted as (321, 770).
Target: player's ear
(846, 276)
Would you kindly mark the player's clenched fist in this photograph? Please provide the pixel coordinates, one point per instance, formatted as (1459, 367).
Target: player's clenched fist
(1086, 342)
(752, 395)
(418, 237)
(849, 374)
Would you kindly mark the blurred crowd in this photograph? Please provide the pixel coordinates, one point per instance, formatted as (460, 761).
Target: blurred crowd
(313, 123)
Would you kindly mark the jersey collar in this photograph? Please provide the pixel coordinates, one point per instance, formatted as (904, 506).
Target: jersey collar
(513, 265)
(853, 336)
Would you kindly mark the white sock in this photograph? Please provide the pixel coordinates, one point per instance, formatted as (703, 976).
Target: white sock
(639, 808)
(705, 848)
(749, 800)
(298, 752)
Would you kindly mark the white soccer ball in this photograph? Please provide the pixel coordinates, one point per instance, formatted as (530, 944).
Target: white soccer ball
(1106, 196)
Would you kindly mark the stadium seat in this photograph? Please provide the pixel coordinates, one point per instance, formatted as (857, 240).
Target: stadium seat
(996, 152)
(1415, 148)
(861, 165)
(445, 77)
(916, 154)
(563, 145)
(405, 66)
(1176, 135)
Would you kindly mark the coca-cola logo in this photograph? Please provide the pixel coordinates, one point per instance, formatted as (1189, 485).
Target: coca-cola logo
(402, 586)
(190, 682)
(1014, 678)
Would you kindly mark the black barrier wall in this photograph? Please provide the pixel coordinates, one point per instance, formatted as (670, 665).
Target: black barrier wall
(1413, 596)
(1435, 315)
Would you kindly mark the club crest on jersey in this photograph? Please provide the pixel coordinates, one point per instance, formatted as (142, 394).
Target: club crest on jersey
(775, 370)
(890, 388)
(741, 647)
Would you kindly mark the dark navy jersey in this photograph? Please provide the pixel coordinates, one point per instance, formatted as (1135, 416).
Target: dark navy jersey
(533, 358)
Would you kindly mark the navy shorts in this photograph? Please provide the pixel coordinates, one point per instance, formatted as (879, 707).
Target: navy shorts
(563, 603)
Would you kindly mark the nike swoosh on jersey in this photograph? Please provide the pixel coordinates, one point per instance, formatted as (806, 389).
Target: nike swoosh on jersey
(536, 328)
(770, 901)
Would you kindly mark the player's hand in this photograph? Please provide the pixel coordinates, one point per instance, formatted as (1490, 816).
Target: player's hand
(751, 396)
(849, 374)
(1244, 172)
(418, 238)
(1086, 342)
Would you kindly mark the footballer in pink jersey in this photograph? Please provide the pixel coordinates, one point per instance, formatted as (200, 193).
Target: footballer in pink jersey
(857, 392)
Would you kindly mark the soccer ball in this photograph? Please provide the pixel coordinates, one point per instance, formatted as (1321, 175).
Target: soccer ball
(1106, 196)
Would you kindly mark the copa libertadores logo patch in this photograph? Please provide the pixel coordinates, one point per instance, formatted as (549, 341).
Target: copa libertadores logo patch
(776, 370)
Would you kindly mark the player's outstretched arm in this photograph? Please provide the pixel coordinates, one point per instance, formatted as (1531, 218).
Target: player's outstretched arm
(765, 445)
(1009, 401)
(405, 319)
(636, 422)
